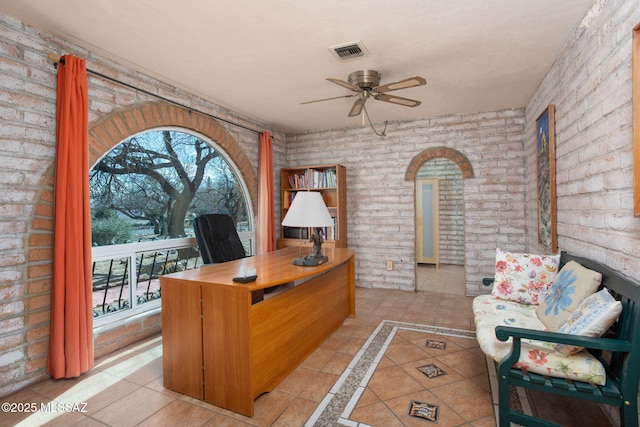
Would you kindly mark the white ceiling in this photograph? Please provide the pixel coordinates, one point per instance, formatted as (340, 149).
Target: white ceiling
(263, 58)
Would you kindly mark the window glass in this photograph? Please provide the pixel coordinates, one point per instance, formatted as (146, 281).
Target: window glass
(145, 193)
(152, 185)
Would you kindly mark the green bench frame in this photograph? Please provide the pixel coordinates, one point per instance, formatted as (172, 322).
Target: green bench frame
(619, 351)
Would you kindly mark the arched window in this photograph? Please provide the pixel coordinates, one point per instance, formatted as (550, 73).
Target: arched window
(145, 193)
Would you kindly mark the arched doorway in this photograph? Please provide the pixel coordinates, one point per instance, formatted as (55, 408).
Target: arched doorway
(445, 168)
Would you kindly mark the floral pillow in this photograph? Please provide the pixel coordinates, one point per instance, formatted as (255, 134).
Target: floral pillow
(593, 317)
(523, 277)
(573, 284)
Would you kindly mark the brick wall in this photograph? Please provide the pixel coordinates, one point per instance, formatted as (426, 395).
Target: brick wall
(27, 147)
(380, 198)
(590, 86)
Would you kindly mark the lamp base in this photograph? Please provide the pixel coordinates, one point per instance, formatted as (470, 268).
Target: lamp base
(310, 260)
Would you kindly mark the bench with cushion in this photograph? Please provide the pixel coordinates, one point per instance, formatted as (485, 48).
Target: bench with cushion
(565, 325)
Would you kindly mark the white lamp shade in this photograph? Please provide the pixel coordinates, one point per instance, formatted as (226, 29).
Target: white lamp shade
(308, 210)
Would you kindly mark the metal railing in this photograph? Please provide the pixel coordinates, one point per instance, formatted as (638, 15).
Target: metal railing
(126, 277)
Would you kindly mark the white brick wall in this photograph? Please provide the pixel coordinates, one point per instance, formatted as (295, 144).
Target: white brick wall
(380, 202)
(590, 85)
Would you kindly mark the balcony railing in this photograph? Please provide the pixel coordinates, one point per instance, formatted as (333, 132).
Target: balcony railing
(126, 277)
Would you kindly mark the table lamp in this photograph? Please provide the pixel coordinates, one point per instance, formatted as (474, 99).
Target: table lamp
(308, 210)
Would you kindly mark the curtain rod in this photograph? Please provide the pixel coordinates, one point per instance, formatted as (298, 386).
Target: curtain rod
(57, 59)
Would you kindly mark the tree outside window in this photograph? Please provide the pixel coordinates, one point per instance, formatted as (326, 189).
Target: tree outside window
(144, 192)
(152, 186)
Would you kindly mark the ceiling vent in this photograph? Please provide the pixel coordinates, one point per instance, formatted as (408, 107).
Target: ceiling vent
(350, 50)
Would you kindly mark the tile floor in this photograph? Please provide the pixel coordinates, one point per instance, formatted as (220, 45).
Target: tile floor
(125, 388)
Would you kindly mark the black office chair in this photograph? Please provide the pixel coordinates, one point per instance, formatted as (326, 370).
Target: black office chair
(217, 238)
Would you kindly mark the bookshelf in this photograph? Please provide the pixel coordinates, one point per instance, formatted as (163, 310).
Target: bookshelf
(328, 180)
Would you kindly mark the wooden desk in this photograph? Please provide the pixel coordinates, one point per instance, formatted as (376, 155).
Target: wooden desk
(226, 343)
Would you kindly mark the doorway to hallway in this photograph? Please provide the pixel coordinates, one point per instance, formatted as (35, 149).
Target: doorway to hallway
(440, 227)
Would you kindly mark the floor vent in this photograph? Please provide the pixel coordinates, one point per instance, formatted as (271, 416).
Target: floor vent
(349, 50)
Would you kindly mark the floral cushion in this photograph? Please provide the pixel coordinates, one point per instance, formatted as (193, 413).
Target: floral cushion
(573, 284)
(593, 317)
(535, 356)
(523, 277)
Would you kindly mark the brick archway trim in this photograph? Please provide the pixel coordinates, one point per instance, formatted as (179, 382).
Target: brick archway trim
(121, 124)
(438, 152)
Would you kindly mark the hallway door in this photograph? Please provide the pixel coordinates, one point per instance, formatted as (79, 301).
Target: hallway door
(427, 221)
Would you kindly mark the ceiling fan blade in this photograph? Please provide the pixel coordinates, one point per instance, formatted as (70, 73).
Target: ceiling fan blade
(344, 84)
(357, 107)
(329, 99)
(402, 84)
(397, 100)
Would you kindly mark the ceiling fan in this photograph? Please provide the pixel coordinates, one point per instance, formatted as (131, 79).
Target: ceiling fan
(366, 84)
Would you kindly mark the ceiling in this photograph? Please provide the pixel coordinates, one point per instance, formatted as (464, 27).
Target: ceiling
(263, 58)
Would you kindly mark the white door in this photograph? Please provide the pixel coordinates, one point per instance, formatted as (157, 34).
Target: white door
(427, 225)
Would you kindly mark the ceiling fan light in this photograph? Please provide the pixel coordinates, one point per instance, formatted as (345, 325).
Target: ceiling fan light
(365, 78)
(366, 84)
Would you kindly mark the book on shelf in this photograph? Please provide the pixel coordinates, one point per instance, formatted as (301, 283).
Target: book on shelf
(313, 178)
(330, 233)
(288, 199)
(326, 178)
(297, 180)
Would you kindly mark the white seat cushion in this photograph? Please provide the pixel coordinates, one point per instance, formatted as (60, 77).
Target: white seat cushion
(535, 356)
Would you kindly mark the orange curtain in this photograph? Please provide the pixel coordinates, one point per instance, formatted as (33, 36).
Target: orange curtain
(71, 336)
(266, 221)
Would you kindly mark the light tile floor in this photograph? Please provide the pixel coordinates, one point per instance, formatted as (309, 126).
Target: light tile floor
(125, 388)
(445, 278)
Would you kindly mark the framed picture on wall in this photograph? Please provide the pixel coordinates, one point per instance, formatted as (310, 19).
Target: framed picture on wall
(546, 174)
(636, 119)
